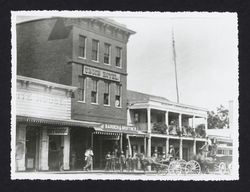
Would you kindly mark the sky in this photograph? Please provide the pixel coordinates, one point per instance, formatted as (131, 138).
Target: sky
(206, 56)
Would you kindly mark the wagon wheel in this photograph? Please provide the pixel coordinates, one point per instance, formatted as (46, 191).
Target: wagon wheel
(174, 167)
(222, 168)
(192, 167)
(183, 165)
(163, 169)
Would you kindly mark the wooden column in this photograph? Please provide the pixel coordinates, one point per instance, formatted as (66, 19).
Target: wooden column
(129, 146)
(166, 118)
(205, 125)
(194, 147)
(44, 150)
(66, 151)
(20, 147)
(121, 142)
(167, 146)
(180, 122)
(149, 120)
(149, 147)
(180, 149)
(145, 146)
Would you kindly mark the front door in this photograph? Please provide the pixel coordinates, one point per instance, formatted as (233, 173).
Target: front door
(54, 152)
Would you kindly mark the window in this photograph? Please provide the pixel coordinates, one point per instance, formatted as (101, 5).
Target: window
(107, 53)
(81, 89)
(94, 90)
(82, 46)
(106, 94)
(118, 57)
(95, 47)
(118, 95)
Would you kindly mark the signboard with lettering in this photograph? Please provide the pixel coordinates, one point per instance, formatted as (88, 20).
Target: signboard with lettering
(101, 73)
(118, 127)
(58, 131)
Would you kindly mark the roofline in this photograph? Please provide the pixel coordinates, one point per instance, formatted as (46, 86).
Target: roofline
(98, 18)
(167, 102)
(39, 81)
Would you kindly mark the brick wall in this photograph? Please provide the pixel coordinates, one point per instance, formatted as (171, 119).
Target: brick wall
(42, 58)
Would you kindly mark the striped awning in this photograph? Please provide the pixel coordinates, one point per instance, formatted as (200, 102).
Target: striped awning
(56, 122)
(106, 133)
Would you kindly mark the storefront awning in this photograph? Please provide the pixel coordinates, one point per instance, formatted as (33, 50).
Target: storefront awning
(56, 122)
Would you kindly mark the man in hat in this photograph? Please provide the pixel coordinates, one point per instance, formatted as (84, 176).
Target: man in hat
(122, 161)
(89, 159)
(172, 152)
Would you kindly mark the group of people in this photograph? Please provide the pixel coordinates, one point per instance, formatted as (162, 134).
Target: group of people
(118, 161)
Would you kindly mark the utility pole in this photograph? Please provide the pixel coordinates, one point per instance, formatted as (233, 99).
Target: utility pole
(175, 65)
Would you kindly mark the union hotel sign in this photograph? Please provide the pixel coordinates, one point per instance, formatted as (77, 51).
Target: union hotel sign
(101, 73)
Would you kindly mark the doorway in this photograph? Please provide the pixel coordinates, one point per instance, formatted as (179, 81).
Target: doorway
(55, 159)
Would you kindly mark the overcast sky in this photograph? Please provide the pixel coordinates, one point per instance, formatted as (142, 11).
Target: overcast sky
(207, 57)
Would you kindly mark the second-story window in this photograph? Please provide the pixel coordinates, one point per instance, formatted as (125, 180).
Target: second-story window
(118, 57)
(106, 93)
(95, 48)
(107, 53)
(82, 46)
(118, 95)
(81, 89)
(94, 89)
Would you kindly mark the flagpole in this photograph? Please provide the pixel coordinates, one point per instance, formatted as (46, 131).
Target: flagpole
(175, 65)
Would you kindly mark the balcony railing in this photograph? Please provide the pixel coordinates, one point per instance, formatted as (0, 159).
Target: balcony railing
(161, 128)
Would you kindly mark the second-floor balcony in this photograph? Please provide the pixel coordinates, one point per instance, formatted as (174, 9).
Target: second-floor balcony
(161, 128)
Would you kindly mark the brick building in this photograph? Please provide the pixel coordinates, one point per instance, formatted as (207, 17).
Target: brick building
(87, 53)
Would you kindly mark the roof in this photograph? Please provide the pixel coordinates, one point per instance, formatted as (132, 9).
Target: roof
(138, 97)
(107, 21)
(134, 96)
(43, 82)
(219, 133)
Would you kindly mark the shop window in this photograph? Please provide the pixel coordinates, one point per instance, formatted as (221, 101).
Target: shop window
(95, 49)
(94, 89)
(118, 95)
(107, 53)
(118, 57)
(82, 46)
(106, 93)
(81, 89)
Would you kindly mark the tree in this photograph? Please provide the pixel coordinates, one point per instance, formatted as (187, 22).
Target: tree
(219, 119)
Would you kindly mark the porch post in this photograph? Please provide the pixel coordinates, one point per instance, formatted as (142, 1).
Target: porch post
(149, 120)
(145, 145)
(205, 126)
(167, 145)
(166, 118)
(193, 118)
(149, 147)
(121, 142)
(44, 150)
(180, 121)
(194, 147)
(180, 149)
(66, 151)
(20, 147)
(129, 146)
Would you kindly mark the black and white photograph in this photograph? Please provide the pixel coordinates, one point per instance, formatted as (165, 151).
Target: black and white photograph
(119, 95)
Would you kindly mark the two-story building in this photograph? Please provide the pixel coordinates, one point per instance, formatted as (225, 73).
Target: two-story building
(165, 123)
(90, 54)
(43, 124)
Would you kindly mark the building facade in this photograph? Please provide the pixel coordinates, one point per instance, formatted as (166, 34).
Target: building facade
(43, 124)
(90, 54)
(166, 123)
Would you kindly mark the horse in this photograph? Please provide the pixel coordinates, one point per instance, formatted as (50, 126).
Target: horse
(148, 161)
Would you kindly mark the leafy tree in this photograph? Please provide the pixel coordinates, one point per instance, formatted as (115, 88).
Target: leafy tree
(219, 119)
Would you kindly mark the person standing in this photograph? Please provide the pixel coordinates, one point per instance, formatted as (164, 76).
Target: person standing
(122, 161)
(172, 152)
(61, 158)
(108, 161)
(88, 159)
(113, 160)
